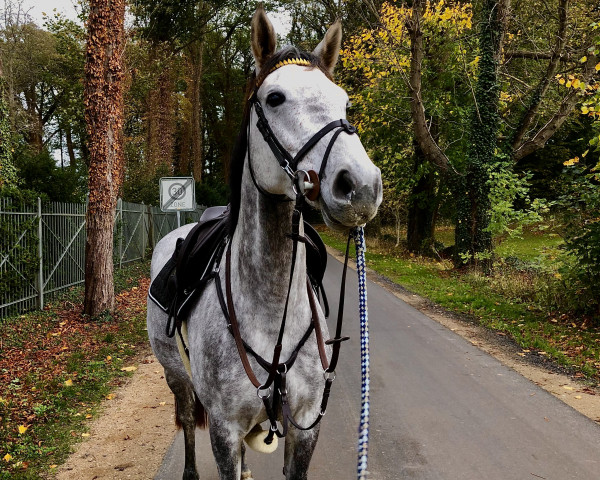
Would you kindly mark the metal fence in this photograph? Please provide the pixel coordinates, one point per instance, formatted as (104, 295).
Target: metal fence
(42, 247)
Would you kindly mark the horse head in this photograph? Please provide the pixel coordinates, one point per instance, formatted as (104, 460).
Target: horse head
(305, 114)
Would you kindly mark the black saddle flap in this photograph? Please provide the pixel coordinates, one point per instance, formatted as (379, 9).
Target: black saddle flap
(192, 261)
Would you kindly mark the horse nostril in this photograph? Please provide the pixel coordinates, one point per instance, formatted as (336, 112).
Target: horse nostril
(344, 185)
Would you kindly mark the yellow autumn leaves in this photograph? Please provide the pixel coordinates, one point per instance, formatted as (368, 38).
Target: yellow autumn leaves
(381, 57)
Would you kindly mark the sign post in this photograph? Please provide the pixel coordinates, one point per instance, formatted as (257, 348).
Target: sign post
(177, 194)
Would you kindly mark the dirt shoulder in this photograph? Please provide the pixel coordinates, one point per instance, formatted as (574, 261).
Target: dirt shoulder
(132, 435)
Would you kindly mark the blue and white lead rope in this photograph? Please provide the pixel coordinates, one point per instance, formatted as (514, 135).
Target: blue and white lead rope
(363, 428)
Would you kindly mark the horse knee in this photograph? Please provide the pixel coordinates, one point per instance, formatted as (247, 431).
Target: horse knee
(227, 450)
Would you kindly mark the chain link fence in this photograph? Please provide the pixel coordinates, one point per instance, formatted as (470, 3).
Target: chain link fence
(42, 247)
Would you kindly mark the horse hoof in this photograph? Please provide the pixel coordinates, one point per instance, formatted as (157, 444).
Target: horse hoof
(189, 474)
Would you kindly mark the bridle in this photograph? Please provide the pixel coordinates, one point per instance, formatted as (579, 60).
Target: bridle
(306, 184)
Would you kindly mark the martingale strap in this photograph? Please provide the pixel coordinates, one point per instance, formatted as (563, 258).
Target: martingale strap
(275, 384)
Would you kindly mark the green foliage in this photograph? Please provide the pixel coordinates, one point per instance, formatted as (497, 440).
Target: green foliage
(8, 173)
(507, 190)
(40, 173)
(375, 67)
(211, 192)
(139, 187)
(581, 207)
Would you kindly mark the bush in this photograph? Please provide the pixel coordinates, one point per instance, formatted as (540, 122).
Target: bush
(39, 173)
(211, 192)
(580, 208)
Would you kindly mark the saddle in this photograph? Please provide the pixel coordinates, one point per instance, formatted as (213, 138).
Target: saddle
(196, 258)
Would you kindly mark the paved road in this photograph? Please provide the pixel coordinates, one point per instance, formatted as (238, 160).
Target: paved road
(440, 409)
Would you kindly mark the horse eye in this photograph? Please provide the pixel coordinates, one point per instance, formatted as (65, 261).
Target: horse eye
(274, 99)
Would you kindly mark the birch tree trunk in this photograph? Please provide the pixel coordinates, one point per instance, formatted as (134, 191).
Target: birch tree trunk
(104, 118)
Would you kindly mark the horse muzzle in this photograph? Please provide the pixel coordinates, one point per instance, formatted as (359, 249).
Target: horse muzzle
(352, 198)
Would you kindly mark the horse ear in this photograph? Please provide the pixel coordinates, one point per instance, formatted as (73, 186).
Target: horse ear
(329, 48)
(263, 37)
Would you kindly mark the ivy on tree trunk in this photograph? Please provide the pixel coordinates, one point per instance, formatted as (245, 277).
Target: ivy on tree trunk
(8, 174)
(104, 118)
(473, 240)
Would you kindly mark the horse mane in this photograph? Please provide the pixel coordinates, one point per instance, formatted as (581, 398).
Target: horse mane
(238, 155)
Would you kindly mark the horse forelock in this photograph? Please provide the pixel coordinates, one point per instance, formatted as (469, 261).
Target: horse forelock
(236, 162)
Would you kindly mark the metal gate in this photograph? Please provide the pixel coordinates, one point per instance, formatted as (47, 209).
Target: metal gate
(42, 247)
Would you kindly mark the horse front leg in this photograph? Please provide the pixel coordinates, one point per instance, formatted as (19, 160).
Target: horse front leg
(226, 442)
(246, 473)
(185, 416)
(299, 448)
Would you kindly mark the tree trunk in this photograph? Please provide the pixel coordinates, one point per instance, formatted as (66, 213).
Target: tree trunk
(35, 133)
(421, 209)
(421, 212)
(161, 115)
(189, 161)
(70, 148)
(104, 118)
(197, 155)
(473, 241)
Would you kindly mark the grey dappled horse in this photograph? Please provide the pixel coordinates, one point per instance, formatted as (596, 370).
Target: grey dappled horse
(297, 100)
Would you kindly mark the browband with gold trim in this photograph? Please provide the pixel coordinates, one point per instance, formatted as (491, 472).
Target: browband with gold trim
(282, 63)
(291, 61)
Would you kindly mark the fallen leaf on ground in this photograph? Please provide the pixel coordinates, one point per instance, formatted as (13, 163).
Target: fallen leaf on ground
(22, 429)
(69, 383)
(129, 369)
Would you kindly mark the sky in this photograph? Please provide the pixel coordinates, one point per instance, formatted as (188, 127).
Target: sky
(66, 7)
(36, 7)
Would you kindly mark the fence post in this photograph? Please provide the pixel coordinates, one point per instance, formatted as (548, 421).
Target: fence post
(41, 256)
(120, 227)
(143, 229)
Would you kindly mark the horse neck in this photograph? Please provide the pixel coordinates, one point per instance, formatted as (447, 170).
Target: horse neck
(262, 254)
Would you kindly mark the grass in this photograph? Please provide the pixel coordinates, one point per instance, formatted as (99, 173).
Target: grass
(530, 246)
(57, 366)
(504, 302)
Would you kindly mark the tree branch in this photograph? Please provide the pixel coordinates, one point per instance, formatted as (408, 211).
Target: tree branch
(565, 108)
(544, 84)
(429, 146)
